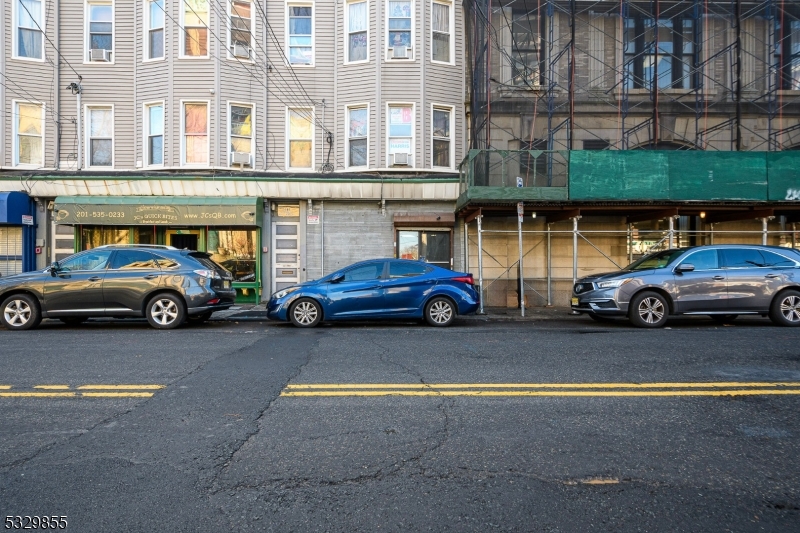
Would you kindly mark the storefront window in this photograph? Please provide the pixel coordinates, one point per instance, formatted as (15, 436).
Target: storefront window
(429, 246)
(236, 251)
(94, 236)
(144, 235)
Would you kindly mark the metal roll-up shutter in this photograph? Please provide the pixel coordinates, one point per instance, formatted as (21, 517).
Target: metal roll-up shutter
(10, 250)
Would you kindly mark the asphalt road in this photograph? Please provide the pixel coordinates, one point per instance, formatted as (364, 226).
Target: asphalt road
(557, 425)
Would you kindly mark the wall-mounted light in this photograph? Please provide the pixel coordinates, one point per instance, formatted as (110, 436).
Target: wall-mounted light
(702, 214)
(533, 215)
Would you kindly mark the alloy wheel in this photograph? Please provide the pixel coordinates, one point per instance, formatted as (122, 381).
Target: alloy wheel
(17, 313)
(305, 313)
(441, 312)
(790, 308)
(164, 311)
(651, 310)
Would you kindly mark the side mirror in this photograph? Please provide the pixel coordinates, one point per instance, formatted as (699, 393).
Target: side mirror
(337, 278)
(54, 268)
(684, 267)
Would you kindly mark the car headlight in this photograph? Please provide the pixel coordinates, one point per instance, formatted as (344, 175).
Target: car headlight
(280, 294)
(612, 284)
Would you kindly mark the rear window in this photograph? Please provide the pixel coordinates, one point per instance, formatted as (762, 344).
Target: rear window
(752, 258)
(407, 270)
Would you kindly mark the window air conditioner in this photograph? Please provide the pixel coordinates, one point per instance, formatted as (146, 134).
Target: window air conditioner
(400, 159)
(240, 158)
(241, 51)
(99, 54)
(400, 52)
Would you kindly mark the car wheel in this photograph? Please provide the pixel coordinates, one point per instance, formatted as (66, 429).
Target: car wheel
(440, 312)
(305, 313)
(723, 319)
(74, 320)
(165, 311)
(785, 309)
(648, 310)
(20, 312)
(199, 319)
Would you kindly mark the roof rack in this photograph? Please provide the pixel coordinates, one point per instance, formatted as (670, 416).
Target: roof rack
(159, 246)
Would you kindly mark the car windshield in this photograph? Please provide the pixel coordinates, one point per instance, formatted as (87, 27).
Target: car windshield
(657, 260)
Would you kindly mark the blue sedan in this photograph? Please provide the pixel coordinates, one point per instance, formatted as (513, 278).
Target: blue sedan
(379, 288)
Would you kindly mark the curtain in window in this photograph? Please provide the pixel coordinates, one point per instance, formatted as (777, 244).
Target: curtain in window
(29, 131)
(29, 37)
(196, 129)
(101, 131)
(196, 14)
(400, 23)
(441, 32)
(357, 27)
(358, 137)
(299, 147)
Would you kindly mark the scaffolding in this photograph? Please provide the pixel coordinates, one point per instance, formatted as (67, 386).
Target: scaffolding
(633, 74)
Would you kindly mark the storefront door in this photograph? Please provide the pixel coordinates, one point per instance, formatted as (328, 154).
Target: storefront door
(430, 246)
(286, 255)
(184, 238)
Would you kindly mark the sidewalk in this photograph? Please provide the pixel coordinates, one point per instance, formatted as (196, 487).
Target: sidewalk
(258, 312)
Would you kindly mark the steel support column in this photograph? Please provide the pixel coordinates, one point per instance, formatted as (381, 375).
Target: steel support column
(671, 233)
(521, 275)
(550, 267)
(575, 249)
(480, 261)
(764, 225)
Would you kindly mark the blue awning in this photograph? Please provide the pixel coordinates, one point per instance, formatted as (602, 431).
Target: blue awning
(13, 205)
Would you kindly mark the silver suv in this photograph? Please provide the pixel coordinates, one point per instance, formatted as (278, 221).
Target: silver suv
(722, 281)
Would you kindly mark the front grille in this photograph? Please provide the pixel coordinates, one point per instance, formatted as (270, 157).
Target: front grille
(582, 287)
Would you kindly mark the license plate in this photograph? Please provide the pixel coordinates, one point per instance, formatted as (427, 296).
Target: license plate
(574, 301)
(226, 284)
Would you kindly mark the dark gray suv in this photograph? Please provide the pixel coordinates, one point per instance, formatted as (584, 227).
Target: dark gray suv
(722, 281)
(164, 284)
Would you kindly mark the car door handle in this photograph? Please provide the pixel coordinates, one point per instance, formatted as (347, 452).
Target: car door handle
(151, 276)
(772, 276)
(95, 278)
(718, 278)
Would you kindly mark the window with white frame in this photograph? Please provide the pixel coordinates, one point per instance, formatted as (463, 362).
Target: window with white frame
(154, 115)
(301, 44)
(29, 134)
(441, 32)
(442, 140)
(195, 133)
(154, 40)
(195, 28)
(100, 142)
(241, 135)
(357, 136)
(401, 134)
(399, 35)
(29, 38)
(301, 138)
(357, 19)
(100, 28)
(241, 24)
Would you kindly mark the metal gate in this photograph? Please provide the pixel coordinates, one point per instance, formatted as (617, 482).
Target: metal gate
(286, 255)
(10, 250)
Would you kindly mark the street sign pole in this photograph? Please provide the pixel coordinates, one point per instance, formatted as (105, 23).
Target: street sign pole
(520, 215)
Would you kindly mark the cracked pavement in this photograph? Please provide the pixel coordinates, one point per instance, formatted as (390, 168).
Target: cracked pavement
(218, 449)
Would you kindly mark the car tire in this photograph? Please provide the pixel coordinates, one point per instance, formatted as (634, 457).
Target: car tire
(20, 312)
(199, 319)
(305, 313)
(74, 320)
(648, 310)
(165, 311)
(785, 309)
(440, 312)
(723, 319)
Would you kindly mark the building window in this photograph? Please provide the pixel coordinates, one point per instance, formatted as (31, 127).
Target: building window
(431, 246)
(596, 144)
(527, 53)
(441, 50)
(357, 135)
(241, 135)
(301, 45)
(155, 30)
(195, 133)
(29, 134)
(399, 41)
(357, 18)
(401, 134)
(442, 145)
(787, 54)
(667, 65)
(100, 144)
(100, 39)
(29, 36)
(241, 34)
(155, 134)
(195, 25)
(301, 138)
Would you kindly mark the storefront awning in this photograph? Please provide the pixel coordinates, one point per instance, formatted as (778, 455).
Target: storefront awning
(14, 206)
(158, 211)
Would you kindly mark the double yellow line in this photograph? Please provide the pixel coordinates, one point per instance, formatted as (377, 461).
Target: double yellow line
(84, 391)
(722, 388)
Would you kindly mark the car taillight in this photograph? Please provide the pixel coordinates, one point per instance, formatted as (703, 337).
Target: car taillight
(207, 273)
(213, 301)
(465, 279)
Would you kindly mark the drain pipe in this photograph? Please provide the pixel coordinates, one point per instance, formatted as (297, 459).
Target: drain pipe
(322, 236)
(575, 249)
(520, 214)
